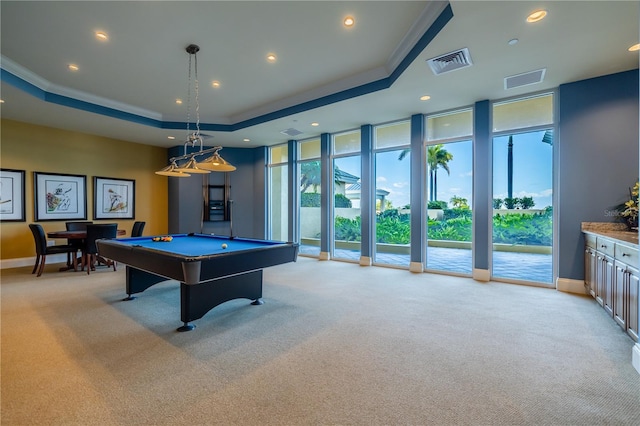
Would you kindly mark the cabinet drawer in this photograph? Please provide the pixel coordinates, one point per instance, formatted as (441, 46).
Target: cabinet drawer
(590, 240)
(605, 246)
(626, 254)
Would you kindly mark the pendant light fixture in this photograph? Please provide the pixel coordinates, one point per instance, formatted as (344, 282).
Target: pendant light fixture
(213, 163)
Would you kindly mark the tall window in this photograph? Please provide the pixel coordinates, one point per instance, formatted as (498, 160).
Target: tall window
(278, 193)
(449, 191)
(393, 193)
(346, 196)
(310, 189)
(523, 189)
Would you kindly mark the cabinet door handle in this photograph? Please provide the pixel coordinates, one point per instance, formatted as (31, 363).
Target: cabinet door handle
(624, 254)
(603, 246)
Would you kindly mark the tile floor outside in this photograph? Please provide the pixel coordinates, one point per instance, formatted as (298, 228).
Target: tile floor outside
(511, 265)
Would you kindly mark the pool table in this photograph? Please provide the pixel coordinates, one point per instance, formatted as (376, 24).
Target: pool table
(211, 269)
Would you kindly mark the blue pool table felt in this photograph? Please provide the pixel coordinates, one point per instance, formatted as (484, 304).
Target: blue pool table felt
(197, 245)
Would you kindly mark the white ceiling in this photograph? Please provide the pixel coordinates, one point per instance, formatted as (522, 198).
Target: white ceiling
(143, 67)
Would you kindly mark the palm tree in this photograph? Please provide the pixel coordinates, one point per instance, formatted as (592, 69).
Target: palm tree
(459, 202)
(546, 138)
(310, 175)
(437, 156)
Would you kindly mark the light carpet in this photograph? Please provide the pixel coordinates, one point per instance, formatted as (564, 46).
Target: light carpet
(334, 344)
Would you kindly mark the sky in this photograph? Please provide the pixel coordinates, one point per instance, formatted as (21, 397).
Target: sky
(532, 171)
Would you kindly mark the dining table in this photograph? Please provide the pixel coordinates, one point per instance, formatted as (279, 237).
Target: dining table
(79, 235)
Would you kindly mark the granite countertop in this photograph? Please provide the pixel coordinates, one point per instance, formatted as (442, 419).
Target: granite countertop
(616, 231)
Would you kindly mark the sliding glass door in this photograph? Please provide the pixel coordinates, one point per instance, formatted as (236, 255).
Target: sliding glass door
(346, 166)
(393, 194)
(523, 190)
(449, 165)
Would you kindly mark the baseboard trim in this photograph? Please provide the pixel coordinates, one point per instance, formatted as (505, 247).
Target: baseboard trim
(366, 261)
(30, 261)
(324, 255)
(481, 275)
(571, 286)
(416, 267)
(635, 357)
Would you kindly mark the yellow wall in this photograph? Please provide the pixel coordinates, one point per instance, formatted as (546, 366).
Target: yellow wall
(44, 149)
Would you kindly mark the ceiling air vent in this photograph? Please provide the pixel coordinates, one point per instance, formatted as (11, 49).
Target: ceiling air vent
(450, 61)
(291, 132)
(524, 79)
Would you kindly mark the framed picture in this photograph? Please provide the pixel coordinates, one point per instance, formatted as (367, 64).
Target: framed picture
(114, 198)
(60, 196)
(12, 195)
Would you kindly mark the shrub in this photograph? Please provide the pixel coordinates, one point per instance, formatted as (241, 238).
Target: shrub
(526, 229)
(511, 228)
(455, 213)
(437, 205)
(312, 199)
(309, 199)
(393, 227)
(347, 229)
(527, 202)
(510, 203)
(342, 201)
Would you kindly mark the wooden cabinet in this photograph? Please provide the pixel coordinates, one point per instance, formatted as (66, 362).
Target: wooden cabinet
(612, 278)
(633, 324)
(590, 264)
(605, 273)
(627, 279)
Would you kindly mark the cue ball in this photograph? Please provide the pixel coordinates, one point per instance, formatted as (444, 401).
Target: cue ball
(224, 246)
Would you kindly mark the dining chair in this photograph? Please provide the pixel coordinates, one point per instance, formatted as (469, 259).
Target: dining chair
(136, 231)
(77, 226)
(42, 249)
(90, 251)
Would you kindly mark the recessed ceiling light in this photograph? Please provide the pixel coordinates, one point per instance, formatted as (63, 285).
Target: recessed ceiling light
(315, 124)
(425, 98)
(349, 21)
(102, 36)
(1, 101)
(536, 16)
(179, 101)
(215, 83)
(171, 137)
(271, 57)
(634, 48)
(513, 41)
(73, 67)
(246, 140)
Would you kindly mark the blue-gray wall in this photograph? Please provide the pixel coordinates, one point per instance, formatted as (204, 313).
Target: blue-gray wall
(597, 159)
(248, 192)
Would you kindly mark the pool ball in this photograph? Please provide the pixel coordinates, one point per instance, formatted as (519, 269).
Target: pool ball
(224, 246)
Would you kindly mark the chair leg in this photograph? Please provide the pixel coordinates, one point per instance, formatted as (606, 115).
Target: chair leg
(88, 262)
(75, 261)
(35, 267)
(42, 262)
(113, 262)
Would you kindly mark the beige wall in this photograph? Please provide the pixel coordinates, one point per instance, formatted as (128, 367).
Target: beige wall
(44, 149)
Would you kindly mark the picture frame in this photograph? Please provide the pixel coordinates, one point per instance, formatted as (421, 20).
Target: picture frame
(59, 196)
(114, 198)
(12, 195)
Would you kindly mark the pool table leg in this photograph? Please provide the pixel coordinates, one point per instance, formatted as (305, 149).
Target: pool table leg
(186, 327)
(198, 299)
(138, 281)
